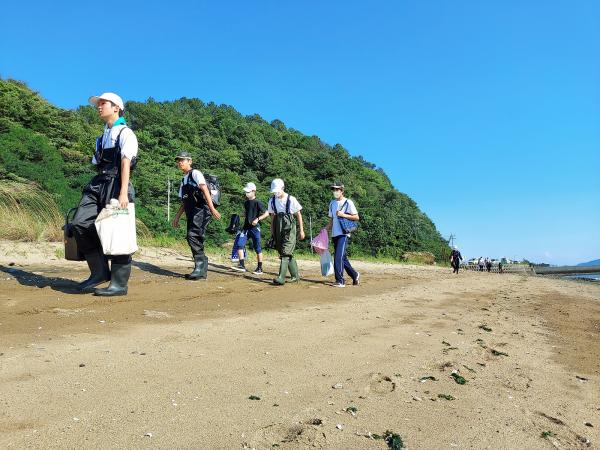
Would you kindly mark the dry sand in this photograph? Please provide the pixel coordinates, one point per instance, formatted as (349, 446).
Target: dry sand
(174, 364)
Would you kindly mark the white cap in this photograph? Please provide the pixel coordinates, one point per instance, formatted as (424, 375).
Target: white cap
(110, 97)
(276, 185)
(455, 247)
(250, 187)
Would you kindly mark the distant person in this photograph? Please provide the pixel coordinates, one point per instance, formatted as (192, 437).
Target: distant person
(500, 268)
(480, 264)
(114, 158)
(455, 259)
(339, 207)
(286, 228)
(254, 211)
(197, 204)
(488, 264)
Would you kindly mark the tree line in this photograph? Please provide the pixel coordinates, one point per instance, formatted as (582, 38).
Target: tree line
(52, 147)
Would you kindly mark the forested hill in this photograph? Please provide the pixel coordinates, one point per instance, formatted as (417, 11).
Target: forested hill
(52, 147)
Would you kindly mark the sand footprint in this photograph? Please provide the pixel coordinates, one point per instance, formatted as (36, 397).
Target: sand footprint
(306, 434)
(380, 384)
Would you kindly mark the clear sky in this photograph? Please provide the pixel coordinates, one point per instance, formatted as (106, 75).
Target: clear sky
(486, 113)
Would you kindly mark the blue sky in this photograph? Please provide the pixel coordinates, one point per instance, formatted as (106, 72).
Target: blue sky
(486, 113)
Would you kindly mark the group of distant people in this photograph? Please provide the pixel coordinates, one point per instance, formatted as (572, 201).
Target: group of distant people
(483, 264)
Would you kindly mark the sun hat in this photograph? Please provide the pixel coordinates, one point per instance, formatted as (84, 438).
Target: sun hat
(111, 97)
(249, 187)
(277, 185)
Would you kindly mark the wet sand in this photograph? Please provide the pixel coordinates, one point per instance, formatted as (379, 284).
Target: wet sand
(174, 363)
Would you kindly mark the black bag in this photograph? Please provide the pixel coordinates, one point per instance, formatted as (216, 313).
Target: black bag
(234, 224)
(72, 252)
(270, 244)
(212, 182)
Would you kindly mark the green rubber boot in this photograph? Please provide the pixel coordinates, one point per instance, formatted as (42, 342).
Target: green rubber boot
(293, 267)
(118, 281)
(99, 271)
(200, 268)
(283, 268)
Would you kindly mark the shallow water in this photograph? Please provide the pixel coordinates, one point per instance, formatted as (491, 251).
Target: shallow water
(585, 276)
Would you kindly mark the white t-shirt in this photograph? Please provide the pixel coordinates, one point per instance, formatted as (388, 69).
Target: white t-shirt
(280, 204)
(128, 141)
(197, 176)
(337, 205)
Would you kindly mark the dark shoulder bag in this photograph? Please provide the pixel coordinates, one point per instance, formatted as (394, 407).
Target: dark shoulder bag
(348, 226)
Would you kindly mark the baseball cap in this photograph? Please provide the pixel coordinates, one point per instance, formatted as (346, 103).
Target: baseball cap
(337, 185)
(249, 187)
(277, 185)
(183, 155)
(111, 97)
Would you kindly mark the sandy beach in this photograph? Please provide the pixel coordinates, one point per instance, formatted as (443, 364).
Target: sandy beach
(236, 363)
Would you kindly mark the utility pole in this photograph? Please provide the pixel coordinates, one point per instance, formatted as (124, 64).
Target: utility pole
(451, 239)
(169, 200)
(310, 226)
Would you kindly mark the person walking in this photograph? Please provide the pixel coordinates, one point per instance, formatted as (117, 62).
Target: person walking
(488, 264)
(114, 158)
(197, 204)
(254, 211)
(455, 259)
(286, 228)
(341, 207)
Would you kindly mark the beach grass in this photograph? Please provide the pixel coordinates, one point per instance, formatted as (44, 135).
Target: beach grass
(28, 213)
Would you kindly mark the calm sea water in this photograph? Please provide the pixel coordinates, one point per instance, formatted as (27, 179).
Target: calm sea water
(585, 276)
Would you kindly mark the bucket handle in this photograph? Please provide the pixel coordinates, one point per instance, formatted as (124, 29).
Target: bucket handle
(67, 220)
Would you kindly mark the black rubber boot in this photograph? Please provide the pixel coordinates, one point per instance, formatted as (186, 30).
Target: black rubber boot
(283, 268)
(119, 276)
(99, 272)
(200, 268)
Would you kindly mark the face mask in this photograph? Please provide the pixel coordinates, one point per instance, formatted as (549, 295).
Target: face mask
(250, 195)
(337, 194)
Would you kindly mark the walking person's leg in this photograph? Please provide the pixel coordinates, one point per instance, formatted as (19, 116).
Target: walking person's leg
(88, 241)
(241, 242)
(338, 259)
(258, 249)
(120, 267)
(347, 266)
(195, 237)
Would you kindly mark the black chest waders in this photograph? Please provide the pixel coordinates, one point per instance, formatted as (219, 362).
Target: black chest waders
(284, 231)
(96, 195)
(198, 216)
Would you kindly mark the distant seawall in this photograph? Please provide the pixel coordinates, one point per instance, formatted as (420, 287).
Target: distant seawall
(538, 270)
(565, 270)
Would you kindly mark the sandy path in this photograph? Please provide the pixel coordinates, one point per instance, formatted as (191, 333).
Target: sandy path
(178, 360)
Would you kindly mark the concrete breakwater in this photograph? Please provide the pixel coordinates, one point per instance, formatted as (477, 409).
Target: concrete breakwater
(565, 270)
